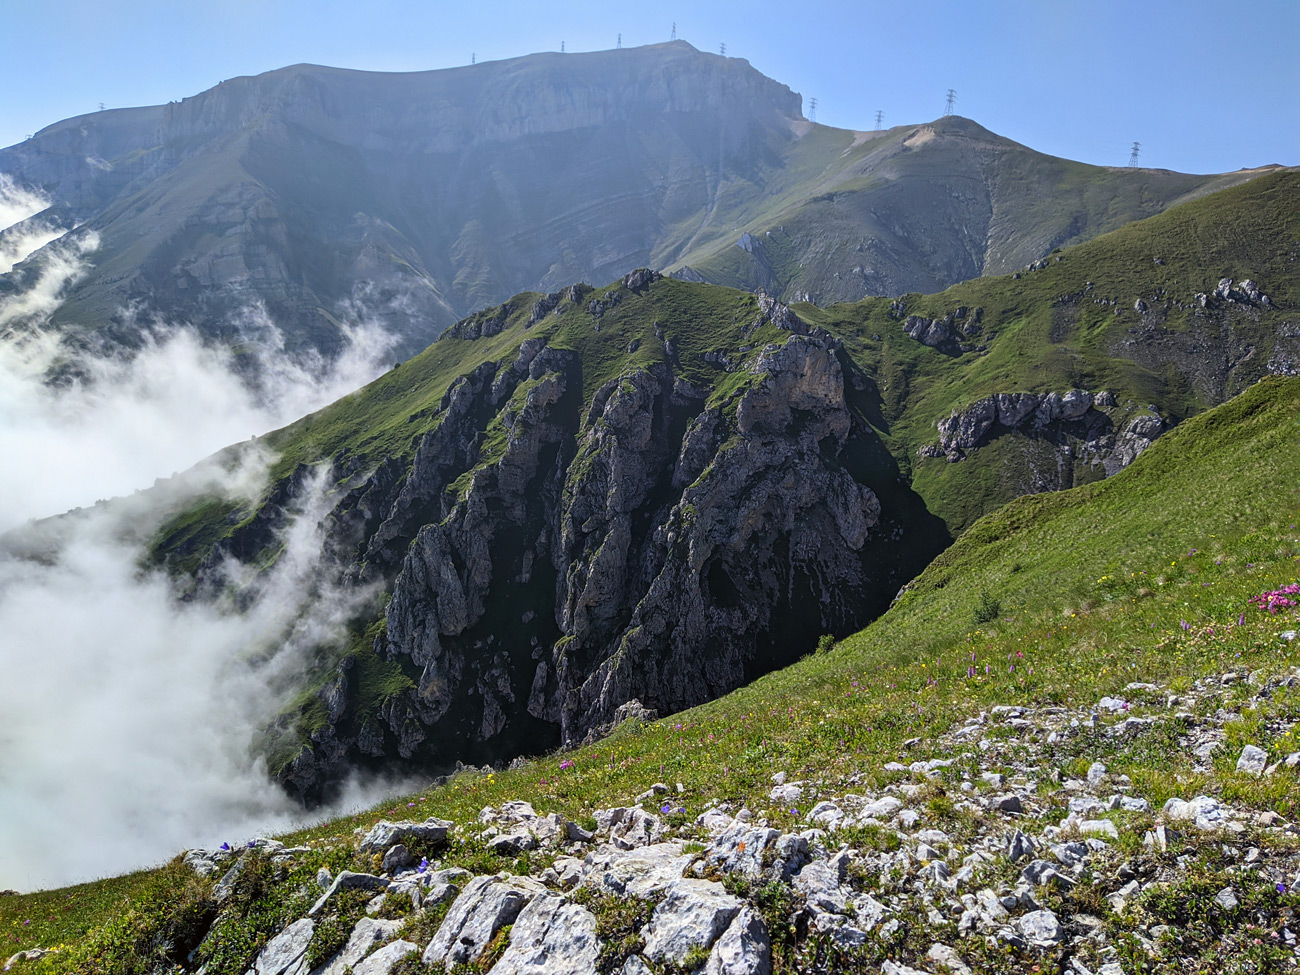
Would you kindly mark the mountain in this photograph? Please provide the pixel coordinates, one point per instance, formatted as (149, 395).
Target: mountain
(320, 194)
(600, 502)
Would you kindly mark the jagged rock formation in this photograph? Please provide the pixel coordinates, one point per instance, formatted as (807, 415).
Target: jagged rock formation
(1092, 429)
(556, 558)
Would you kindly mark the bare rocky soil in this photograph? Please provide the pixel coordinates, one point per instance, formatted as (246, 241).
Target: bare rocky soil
(1006, 844)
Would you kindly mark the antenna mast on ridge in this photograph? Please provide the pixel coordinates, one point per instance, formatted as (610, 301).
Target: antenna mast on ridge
(952, 100)
(1133, 157)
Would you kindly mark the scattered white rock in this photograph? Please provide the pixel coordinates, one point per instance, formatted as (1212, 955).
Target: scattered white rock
(1041, 928)
(693, 914)
(486, 905)
(286, 953)
(551, 937)
(1252, 760)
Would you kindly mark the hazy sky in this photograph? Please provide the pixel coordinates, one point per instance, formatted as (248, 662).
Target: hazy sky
(1203, 85)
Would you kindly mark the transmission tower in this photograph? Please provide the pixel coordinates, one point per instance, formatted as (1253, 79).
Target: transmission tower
(1133, 156)
(722, 49)
(812, 110)
(101, 106)
(673, 36)
(880, 119)
(473, 58)
(619, 45)
(952, 100)
(561, 47)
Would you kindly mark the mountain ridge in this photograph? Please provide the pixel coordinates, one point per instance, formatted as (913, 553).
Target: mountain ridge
(317, 194)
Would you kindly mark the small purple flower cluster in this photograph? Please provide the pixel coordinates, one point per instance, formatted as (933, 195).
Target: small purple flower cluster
(1276, 599)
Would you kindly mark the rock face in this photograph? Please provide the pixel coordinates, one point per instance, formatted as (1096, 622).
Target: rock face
(644, 549)
(1078, 424)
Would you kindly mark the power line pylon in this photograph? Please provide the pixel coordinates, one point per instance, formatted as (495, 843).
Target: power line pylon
(1133, 156)
(880, 119)
(722, 49)
(812, 110)
(619, 45)
(952, 100)
(673, 36)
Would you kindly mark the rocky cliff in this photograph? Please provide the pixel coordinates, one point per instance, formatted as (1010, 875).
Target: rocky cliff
(605, 502)
(561, 553)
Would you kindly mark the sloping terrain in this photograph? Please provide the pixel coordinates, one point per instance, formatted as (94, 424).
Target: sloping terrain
(318, 195)
(1070, 744)
(587, 504)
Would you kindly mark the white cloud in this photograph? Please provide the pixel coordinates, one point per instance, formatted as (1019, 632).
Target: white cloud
(128, 714)
(20, 236)
(17, 203)
(127, 421)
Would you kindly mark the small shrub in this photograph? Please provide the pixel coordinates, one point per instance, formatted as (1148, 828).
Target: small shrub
(825, 643)
(987, 609)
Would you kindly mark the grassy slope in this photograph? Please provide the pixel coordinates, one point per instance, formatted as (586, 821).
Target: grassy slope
(835, 185)
(1248, 231)
(1096, 585)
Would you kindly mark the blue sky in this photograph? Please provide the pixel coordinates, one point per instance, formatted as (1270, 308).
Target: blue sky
(1204, 86)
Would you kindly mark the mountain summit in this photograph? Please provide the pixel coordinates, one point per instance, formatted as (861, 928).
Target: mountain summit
(316, 193)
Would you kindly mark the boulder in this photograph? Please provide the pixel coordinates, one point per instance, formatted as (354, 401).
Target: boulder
(743, 949)
(286, 953)
(643, 872)
(1252, 760)
(966, 428)
(486, 905)
(384, 835)
(947, 957)
(1041, 928)
(386, 958)
(1075, 403)
(551, 936)
(628, 827)
(693, 914)
(1015, 408)
(397, 858)
(366, 936)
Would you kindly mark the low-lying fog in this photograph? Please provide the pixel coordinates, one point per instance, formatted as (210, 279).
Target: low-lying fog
(125, 714)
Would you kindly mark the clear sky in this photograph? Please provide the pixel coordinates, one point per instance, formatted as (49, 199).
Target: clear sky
(1204, 85)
